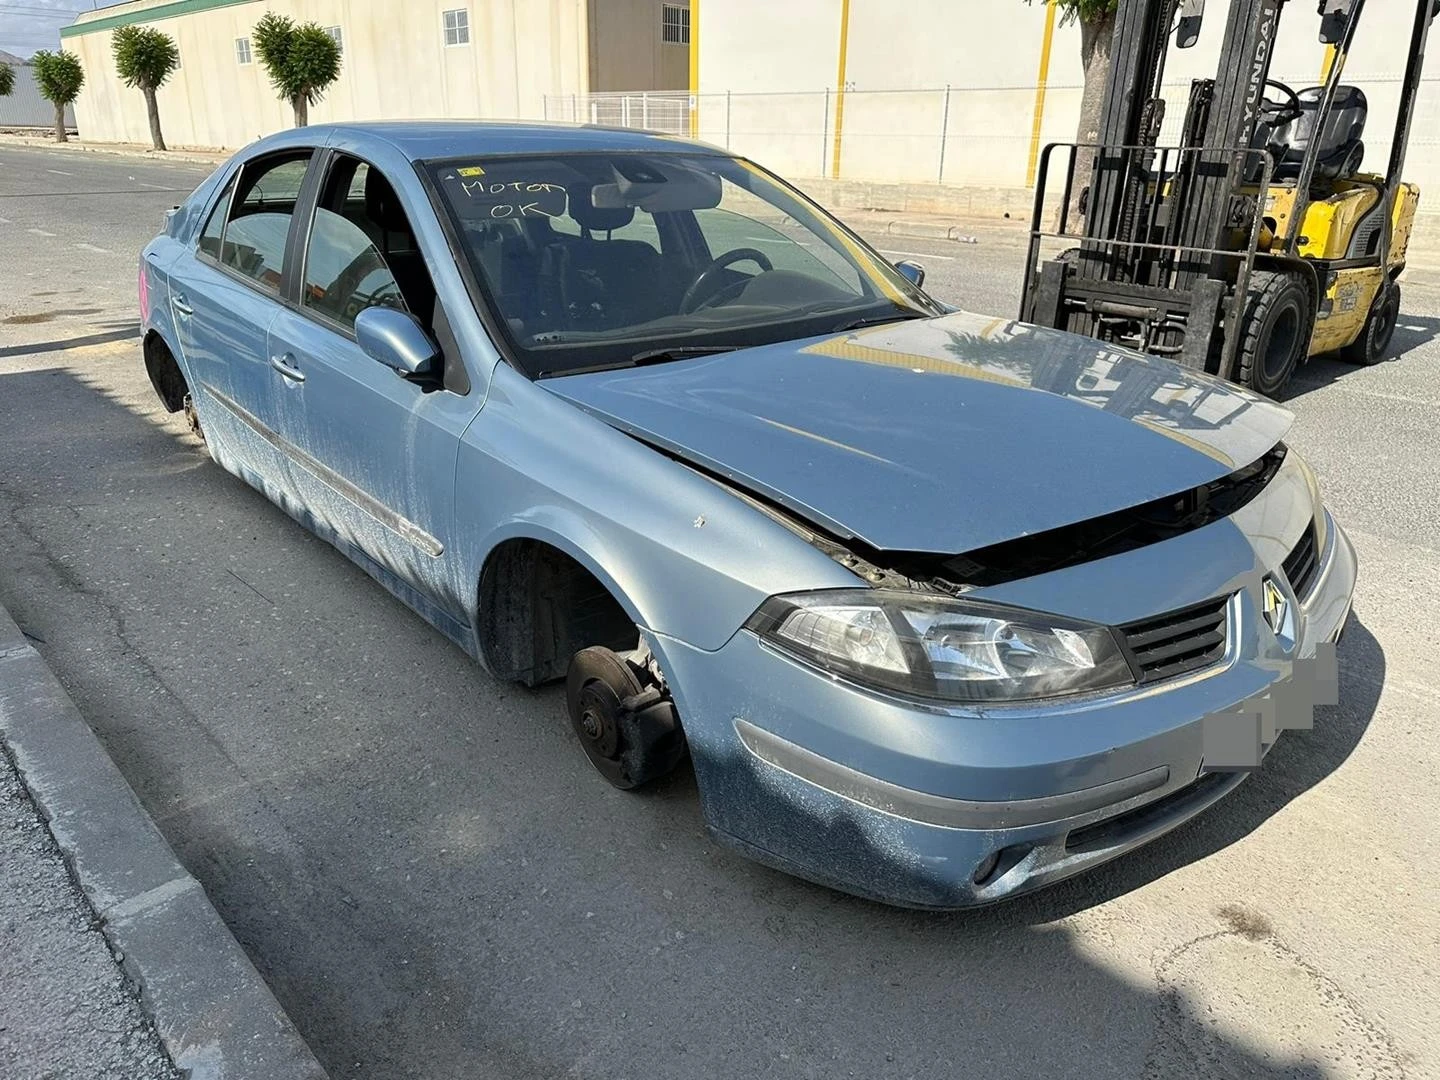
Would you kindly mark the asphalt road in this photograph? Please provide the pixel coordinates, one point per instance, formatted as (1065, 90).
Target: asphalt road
(423, 866)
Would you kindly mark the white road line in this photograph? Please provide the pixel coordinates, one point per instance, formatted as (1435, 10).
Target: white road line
(918, 255)
(6, 221)
(59, 172)
(92, 247)
(160, 187)
(40, 232)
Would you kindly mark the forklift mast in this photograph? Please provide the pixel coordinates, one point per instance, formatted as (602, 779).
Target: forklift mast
(1223, 114)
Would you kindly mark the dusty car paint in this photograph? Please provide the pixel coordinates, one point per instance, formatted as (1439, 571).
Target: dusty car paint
(694, 491)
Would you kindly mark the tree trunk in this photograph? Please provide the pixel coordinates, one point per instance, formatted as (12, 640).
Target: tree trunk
(1095, 39)
(302, 110)
(153, 111)
(60, 135)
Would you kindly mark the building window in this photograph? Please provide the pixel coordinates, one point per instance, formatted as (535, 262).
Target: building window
(457, 26)
(337, 36)
(242, 51)
(675, 24)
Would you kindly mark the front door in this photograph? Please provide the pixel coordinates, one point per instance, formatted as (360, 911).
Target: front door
(373, 454)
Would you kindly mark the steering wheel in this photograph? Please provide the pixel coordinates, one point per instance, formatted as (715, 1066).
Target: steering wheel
(702, 291)
(1278, 113)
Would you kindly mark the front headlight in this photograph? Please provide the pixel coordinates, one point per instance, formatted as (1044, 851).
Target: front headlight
(943, 648)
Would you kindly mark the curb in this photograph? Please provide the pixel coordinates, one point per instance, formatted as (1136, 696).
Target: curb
(214, 1013)
(179, 157)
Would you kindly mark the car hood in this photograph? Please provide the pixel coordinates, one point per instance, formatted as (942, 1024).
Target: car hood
(940, 435)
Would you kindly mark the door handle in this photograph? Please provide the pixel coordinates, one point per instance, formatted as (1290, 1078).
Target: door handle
(181, 305)
(285, 365)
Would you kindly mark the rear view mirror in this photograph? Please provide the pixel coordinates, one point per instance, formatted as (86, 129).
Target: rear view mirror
(395, 339)
(1334, 17)
(912, 272)
(1192, 14)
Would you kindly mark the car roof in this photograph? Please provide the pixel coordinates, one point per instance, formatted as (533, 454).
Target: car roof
(428, 139)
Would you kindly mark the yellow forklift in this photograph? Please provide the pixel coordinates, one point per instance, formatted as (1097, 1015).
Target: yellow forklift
(1257, 240)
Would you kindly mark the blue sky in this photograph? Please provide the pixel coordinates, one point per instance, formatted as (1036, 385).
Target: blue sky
(27, 25)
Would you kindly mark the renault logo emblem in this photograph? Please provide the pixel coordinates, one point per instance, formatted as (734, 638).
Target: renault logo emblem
(1274, 606)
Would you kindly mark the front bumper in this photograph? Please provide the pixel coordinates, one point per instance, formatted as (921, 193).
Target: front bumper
(941, 808)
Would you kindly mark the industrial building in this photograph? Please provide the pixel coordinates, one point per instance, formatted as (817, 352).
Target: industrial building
(964, 94)
(402, 59)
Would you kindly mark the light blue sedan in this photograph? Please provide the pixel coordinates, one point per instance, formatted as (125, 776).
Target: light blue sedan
(941, 607)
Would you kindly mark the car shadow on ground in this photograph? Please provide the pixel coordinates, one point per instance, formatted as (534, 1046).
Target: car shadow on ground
(455, 893)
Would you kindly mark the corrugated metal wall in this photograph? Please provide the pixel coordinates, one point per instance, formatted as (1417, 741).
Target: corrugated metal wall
(25, 107)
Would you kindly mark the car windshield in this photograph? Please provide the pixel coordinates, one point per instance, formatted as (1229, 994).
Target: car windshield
(595, 260)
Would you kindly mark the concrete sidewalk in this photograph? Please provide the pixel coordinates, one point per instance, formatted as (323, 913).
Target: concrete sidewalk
(66, 1008)
(113, 962)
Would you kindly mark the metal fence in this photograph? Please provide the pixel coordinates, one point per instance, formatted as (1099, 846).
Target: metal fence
(967, 136)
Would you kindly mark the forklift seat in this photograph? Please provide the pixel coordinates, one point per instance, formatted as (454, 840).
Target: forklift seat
(1340, 148)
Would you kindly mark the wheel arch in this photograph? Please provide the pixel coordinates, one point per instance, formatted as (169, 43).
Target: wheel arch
(162, 364)
(540, 597)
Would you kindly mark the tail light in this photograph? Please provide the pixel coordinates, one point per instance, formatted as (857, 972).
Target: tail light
(144, 291)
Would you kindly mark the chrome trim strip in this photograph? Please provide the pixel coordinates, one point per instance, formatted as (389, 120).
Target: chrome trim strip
(940, 809)
(402, 527)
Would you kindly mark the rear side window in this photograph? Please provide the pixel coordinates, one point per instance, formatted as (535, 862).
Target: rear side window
(210, 235)
(258, 223)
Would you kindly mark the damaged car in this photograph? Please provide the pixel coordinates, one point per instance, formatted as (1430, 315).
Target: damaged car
(940, 607)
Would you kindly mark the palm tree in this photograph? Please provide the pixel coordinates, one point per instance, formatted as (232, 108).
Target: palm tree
(302, 60)
(59, 77)
(144, 59)
(7, 80)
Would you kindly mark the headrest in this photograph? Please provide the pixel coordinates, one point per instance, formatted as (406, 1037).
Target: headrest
(382, 205)
(595, 218)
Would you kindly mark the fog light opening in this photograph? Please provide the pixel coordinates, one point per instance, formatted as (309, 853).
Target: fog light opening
(986, 870)
(993, 867)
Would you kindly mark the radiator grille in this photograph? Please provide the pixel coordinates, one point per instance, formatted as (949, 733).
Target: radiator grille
(1180, 641)
(1302, 564)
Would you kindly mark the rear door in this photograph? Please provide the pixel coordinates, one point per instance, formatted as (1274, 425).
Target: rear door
(373, 454)
(223, 304)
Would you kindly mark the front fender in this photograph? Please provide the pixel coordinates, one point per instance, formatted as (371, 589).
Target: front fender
(681, 553)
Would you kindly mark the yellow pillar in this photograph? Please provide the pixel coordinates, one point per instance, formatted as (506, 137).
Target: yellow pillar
(840, 90)
(1327, 63)
(694, 69)
(1041, 82)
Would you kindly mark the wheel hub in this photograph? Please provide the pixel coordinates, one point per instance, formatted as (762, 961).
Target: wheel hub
(598, 718)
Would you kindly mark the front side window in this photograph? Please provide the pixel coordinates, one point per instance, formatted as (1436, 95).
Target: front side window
(457, 26)
(261, 207)
(362, 250)
(345, 272)
(590, 259)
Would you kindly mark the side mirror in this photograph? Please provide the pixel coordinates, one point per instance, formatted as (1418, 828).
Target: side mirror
(395, 339)
(912, 272)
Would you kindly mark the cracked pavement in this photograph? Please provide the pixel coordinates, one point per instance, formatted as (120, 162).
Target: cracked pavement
(422, 865)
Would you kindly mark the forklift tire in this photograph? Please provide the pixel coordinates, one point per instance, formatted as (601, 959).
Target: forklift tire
(1374, 340)
(1276, 333)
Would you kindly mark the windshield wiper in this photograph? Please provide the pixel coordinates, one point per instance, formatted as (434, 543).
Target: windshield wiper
(880, 320)
(644, 357)
(679, 352)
